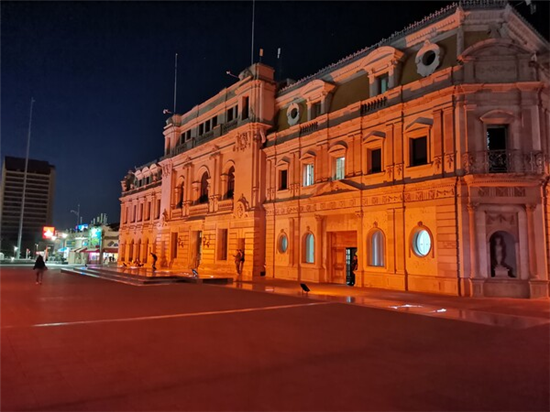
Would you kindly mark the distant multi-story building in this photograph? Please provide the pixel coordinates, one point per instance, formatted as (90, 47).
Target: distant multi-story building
(38, 202)
(426, 155)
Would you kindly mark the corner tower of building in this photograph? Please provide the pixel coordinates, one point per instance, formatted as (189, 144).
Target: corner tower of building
(206, 193)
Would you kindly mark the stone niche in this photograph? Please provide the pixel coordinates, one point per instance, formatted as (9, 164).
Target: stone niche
(502, 255)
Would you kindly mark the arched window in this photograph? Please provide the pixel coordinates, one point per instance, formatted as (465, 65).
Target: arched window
(178, 193)
(376, 248)
(230, 183)
(203, 198)
(309, 255)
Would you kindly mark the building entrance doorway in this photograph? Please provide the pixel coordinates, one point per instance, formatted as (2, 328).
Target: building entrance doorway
(342, 247)
(350, 275)
(195, 249)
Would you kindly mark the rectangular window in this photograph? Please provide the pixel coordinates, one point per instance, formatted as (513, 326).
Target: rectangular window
(315, 110)
(201, 128)
(188, 135)
(340, 168)
(308, 174)
(214, 121)
(229, 115)
(498, 158)
(126, 214)
(134, 214)
(383, 82)
(419, 151)
(375, 160)
(207, 126)
(140, 212)
(158, 209)
(222, 244)
(283, 179)
(148, 210)
(245, 108)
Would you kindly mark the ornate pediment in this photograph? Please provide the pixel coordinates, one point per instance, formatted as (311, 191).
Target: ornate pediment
(334, 186)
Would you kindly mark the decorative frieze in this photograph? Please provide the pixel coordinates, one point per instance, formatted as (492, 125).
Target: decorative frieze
(501, 191)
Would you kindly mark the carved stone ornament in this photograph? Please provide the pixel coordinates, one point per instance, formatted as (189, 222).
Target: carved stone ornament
(166, 169)
(241, 208)
(242, 141)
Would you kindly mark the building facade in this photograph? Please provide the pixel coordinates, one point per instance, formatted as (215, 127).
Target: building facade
(425, 155)
(38, 202)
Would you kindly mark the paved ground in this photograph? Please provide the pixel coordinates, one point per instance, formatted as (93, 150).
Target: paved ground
(79, 343)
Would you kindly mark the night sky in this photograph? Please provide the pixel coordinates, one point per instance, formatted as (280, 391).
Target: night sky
(102, 72)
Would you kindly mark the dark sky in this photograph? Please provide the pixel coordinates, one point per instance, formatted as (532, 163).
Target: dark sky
(102, 72)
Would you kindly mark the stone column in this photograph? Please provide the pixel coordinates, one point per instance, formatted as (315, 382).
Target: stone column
(319, 244)
(530, 209)
(475, 275)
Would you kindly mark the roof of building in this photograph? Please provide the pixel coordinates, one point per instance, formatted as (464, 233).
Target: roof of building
(430, 19)
(34, 166)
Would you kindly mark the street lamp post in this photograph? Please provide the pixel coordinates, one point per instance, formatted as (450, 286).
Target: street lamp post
(20, 234)
(77, 213)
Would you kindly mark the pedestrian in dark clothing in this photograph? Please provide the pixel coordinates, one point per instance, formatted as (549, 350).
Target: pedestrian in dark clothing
(39, 267)
(154, 261)
(238, 258)
(354, 266)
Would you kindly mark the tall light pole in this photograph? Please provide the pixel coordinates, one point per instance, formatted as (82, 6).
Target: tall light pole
(20, 235)
(77, 213)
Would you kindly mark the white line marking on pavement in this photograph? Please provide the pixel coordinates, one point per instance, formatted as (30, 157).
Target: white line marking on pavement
(176, 315)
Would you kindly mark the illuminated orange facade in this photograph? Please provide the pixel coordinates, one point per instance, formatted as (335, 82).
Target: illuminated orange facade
(425, 155)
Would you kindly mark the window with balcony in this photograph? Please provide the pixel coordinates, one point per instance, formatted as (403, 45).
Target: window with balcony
(203, 198)
(497, 137)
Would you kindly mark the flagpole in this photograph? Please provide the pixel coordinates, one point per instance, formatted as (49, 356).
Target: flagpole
(20, 235)
(175, 80)
(252, 46)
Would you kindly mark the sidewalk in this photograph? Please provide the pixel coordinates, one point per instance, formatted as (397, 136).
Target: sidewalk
(413, 302)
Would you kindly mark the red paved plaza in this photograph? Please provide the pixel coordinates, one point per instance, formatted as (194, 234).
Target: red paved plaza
(80, 343)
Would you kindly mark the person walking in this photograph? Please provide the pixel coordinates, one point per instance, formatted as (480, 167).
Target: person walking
(241, 263)
(354, 266)
(238, 257)
(39, 267)
(154, 261)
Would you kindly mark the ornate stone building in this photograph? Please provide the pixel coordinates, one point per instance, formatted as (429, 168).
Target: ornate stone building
(426, 155)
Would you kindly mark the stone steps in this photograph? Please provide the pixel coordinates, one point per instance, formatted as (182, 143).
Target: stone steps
(126, 276)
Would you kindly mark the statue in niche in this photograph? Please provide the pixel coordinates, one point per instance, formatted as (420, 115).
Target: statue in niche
(499, 267)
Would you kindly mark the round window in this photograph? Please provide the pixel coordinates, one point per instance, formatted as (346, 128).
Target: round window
(293, 114)
(283, 243)
(428, 58)
(422, 243)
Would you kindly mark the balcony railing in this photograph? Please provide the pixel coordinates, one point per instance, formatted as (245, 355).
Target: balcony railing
(309, 127)
(374, 104)
(225, 205)
(197, 210)
(503, 161)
